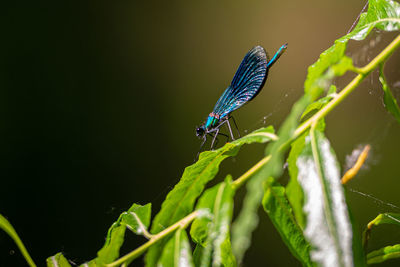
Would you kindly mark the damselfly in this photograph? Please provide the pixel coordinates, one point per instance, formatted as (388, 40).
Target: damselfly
(246, 84)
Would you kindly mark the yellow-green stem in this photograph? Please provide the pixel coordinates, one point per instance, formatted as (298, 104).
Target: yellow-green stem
(156, 238)
(242, 179)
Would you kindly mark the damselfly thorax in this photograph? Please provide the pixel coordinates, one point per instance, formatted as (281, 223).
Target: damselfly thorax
(212, 120)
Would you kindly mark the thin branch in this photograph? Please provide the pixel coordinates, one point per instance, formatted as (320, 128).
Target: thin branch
(156, 238)
(242, 179)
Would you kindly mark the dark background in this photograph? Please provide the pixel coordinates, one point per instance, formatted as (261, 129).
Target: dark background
(99, 102)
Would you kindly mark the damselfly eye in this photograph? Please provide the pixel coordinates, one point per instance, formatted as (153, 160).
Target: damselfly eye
(199, 131)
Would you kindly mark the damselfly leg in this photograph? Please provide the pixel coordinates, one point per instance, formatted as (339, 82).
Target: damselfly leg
(230, 129)
(201, 146)
(215, 137)
(234, 122)
(226, 120)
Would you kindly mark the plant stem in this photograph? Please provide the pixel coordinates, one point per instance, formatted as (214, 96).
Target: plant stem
(382, 56)
(242, 179)
(364, 72)
(142, 227)
(156, 238)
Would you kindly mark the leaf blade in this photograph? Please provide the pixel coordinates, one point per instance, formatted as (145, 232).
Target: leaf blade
(212, 233)
(390, 102)
(382, 14)
(137, 218)
(384, 254)
(177, 251)
(57, 260)
(279, 210)
(294, 191)
(320, 103)
(114, 240)
(328, 226)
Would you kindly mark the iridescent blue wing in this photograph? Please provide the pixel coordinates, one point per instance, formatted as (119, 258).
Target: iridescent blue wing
(246, 84)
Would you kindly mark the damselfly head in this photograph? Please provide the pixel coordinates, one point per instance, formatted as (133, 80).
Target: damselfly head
(200, 131)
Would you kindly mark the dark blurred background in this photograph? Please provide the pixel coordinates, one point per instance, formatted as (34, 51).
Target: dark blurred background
(99, 102)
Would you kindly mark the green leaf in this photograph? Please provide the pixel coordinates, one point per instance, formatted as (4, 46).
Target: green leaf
(6, 226)
(180, 201)
(137, 218)
(328, 228)
(177, 251)
(382, 14)
(212, 233)
(320, 103)
(389, 100)
(91, 263)
(316, 81)
(293, 189)
(114, 240)
(384, 254)
(57, 260)
(280, 212)
(247, 220)
(340, 68)
(197, 254)
(383, 218)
